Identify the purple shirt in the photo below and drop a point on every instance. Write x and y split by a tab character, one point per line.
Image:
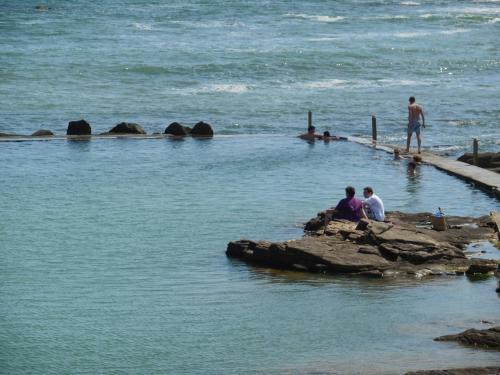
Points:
349	208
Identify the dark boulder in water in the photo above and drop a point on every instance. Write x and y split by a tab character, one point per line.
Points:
484	338
202	129
177	129
128	128
42	133
80	127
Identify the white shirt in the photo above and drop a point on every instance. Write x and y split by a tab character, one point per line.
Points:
374	208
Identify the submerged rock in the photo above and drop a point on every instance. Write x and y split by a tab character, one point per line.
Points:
202	129
80	127
127	128
405	246
484	338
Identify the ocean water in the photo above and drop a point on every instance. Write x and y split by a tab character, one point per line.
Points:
112	251
112	262
254	67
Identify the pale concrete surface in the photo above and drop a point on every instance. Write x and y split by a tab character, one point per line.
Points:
484	178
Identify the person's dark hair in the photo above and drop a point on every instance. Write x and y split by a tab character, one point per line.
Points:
368	189
350	191
326	134
311	128
417	158
412	99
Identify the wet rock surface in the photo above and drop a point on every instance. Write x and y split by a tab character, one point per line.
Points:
127	128
483	338
460	371
80	127
177	129
202	129
42	133
487	160
406	245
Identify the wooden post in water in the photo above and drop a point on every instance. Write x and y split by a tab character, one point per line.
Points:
374	128
475	152
309	119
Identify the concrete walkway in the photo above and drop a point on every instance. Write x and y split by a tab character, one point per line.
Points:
483	178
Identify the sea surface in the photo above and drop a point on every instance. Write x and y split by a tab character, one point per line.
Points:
112	250
112	261
253	67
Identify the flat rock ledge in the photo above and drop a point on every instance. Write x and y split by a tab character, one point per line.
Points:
460	371
483	338
405	246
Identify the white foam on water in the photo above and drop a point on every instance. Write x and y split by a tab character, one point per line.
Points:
410	3
456	31
413	34
340	83
226	87
323	39
325	84
143	26
318	18
386	17
431	15
474	10
494	20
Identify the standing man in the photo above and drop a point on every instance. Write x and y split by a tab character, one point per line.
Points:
373	206
414	113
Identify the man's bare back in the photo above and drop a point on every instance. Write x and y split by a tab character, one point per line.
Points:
414	113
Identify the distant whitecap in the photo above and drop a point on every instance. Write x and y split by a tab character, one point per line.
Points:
142	26
325	84
318	18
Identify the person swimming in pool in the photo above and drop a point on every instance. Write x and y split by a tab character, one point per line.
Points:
415	112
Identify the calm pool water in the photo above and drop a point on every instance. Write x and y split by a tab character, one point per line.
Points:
112	261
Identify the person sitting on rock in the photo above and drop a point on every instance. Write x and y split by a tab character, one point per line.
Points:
373	205
349	208
310	135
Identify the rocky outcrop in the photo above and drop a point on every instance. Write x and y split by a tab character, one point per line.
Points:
202	129
42	133
487	160
460	371
375	249
80	127
177	129
483	338
127	128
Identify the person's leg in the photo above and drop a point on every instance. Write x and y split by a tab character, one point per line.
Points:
408	140
419	140
328	217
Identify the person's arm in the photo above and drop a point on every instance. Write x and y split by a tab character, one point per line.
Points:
423	118
362	213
